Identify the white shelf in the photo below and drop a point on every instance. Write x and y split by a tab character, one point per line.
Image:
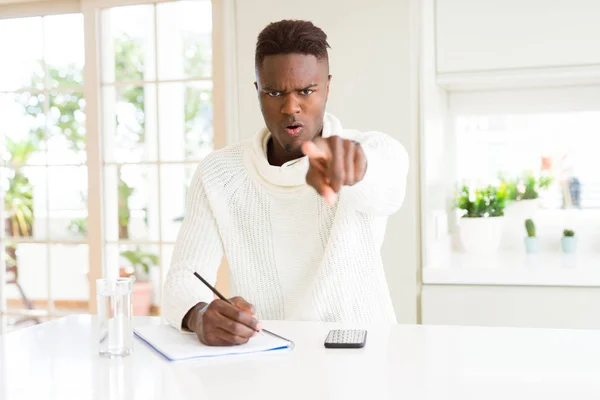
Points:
514	269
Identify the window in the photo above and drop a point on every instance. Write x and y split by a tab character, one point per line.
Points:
44	173
538	147
155	123
562	147
550	158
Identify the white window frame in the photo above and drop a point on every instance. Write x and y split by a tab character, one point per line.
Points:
225	125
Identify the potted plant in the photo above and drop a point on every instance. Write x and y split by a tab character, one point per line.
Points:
569	241
482	218
522	194
531	241
140	264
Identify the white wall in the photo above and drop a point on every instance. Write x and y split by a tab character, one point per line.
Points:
374	87
481	35
522	306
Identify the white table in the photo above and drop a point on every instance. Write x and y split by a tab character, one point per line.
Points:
58	360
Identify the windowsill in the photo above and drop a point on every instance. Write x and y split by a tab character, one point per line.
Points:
514	269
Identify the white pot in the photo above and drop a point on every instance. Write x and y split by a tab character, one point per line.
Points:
481	235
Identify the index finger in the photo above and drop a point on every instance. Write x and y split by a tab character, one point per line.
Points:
317	148
242	304
238	315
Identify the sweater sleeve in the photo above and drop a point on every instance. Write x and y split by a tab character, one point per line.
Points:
198	248
381	192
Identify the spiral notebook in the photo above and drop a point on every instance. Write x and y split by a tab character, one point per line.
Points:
176	346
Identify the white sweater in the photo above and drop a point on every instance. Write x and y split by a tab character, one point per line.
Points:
290	254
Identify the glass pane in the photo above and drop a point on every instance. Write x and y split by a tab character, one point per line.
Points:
22	39
66	129
22	126
67	202
550	156
25	202
27	276
131	202
174	183
69	278
141	261
186	120
184	39
128	54
63	42
129	115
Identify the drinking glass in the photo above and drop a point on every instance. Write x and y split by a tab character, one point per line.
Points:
115	330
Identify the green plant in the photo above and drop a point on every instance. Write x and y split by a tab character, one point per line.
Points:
482	202
18	199
525	187
140	259
18	203
545	182
568	233
79	226
124	192
530	227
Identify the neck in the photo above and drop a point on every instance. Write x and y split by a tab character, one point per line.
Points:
277	155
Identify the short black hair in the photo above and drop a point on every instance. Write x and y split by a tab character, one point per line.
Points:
291	36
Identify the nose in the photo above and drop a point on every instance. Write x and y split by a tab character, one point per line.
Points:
290	105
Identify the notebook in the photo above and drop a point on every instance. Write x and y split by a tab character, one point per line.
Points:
175	345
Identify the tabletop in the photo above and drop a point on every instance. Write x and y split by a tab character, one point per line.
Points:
58	360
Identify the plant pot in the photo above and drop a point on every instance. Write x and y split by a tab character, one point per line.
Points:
141	298
569	244
532	245
515	214
481	235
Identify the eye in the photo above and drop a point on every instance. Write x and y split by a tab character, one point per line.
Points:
274	94
306	92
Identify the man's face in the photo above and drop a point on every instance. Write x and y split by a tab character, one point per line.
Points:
293	90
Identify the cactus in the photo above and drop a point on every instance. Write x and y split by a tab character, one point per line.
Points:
530	227
568	233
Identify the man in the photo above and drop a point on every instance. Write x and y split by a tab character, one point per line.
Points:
299	211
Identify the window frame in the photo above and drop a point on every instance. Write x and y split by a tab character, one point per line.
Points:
225	125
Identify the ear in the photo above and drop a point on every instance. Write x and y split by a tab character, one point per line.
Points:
328	82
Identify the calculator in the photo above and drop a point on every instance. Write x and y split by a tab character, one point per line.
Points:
346	339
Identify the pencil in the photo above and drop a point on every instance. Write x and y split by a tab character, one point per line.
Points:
215	291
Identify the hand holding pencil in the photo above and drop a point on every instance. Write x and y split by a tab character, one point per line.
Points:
224	323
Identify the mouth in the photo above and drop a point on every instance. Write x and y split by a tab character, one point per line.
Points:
293	129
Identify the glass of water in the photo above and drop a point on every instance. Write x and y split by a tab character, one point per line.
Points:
115	331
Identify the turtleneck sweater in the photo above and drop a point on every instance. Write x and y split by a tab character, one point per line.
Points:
289	253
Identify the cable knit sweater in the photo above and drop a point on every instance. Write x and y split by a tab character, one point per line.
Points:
290	254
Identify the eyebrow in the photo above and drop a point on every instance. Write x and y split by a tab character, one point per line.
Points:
268	89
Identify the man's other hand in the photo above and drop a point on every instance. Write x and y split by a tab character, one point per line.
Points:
334	162
223	324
